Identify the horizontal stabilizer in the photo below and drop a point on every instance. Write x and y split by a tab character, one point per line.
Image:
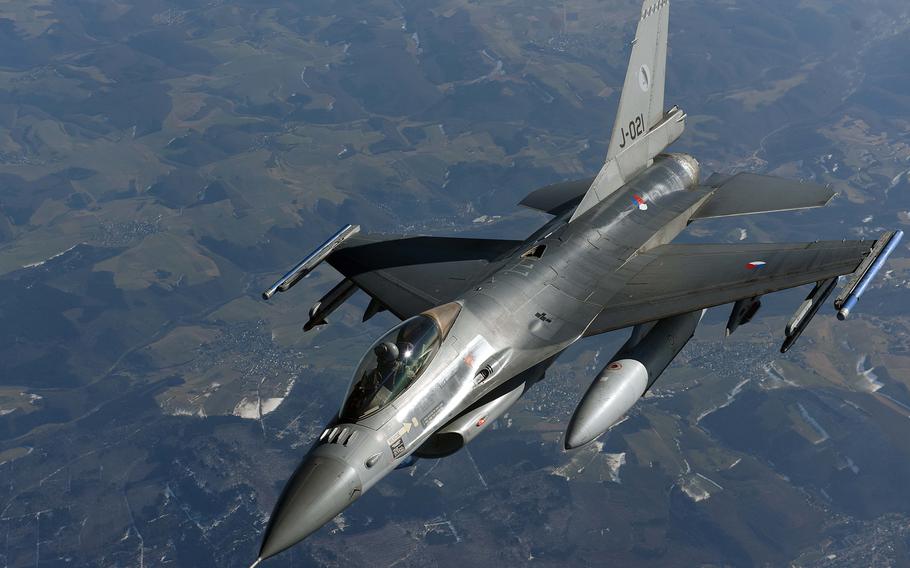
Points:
747	194
558	197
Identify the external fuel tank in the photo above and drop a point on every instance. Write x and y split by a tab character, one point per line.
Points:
628	375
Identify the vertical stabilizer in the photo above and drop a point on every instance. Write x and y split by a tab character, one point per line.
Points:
641	105
642	128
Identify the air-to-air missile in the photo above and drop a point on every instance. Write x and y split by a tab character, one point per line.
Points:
305	266
867	271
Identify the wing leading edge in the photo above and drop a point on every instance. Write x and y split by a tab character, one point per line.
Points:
409	275
678	278
406	275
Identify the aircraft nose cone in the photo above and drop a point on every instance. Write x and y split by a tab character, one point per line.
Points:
321	488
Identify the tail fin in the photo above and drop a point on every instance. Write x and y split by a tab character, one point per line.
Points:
641	105
642	128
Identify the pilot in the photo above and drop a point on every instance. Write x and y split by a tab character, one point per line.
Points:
396	366
387	358
386	365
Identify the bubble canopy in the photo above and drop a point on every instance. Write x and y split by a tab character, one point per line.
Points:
392	364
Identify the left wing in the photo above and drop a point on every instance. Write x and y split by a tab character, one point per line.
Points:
409	275
402	274
678	278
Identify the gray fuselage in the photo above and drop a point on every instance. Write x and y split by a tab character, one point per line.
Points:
516	318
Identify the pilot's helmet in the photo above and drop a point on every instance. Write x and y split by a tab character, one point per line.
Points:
386	352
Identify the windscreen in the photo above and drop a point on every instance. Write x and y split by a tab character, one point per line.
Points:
391	365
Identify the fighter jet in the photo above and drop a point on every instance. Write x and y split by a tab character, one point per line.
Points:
483	319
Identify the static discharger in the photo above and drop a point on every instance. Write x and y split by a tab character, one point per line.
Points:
305	266
872	264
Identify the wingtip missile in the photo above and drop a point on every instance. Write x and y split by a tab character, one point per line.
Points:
848	297
305	266
866	272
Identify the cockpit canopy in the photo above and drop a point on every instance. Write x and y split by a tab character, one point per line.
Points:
395	361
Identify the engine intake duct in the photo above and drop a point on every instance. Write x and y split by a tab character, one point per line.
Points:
478	417
457	433
628	375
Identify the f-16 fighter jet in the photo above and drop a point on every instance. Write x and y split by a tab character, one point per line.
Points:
483	319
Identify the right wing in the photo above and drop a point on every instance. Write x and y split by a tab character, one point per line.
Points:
678	278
